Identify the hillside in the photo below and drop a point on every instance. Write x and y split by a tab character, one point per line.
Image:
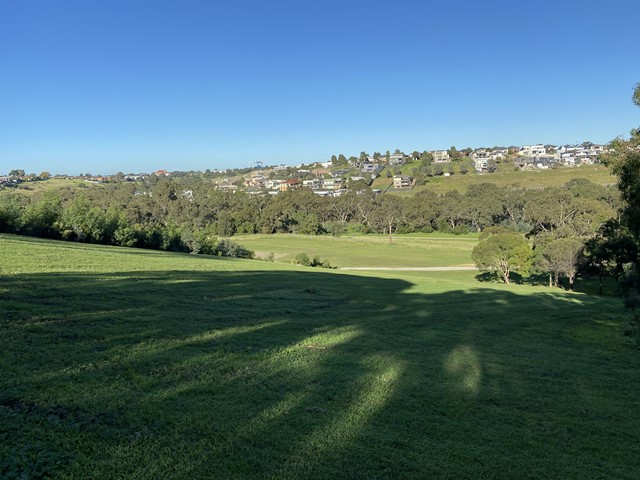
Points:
123	363
535	179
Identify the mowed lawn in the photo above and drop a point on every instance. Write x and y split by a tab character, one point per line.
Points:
432	250
121	363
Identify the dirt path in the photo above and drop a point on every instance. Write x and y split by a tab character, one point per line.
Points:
415	269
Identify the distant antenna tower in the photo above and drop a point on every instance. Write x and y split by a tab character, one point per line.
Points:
258	164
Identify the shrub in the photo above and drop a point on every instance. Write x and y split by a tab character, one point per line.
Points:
302	259
227	248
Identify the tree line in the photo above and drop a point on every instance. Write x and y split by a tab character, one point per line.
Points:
190	216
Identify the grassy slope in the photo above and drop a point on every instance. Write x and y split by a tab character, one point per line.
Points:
507	177
368	251
54	184
119	363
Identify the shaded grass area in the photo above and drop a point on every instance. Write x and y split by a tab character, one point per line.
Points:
432	250
244	369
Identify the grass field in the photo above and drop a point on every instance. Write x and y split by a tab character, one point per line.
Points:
120	363
433	250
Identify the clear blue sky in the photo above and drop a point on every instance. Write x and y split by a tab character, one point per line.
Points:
133	86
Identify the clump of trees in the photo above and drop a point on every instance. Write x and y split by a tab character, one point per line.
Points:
621	241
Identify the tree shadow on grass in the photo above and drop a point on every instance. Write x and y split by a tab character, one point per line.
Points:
296	374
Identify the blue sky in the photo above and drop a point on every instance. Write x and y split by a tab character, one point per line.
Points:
136	86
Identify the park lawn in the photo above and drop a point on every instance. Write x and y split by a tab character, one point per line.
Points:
432	250
121	363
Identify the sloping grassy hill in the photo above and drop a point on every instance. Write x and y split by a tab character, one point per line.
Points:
507	177
121	363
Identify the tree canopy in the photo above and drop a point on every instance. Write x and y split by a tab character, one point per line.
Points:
503	252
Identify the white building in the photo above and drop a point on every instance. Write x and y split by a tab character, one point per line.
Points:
441	156
532	150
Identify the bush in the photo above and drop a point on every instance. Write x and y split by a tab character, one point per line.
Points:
227	248
304	260
336	228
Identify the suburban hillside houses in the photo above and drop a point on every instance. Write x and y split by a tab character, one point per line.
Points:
336	177
550	156
334	181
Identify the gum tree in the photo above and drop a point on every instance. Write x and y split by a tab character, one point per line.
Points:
503	252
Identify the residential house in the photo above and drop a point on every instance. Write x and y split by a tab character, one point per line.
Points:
402	181
312	184
397	159
498	153
370	167
290	184
440	156
481	157
332	183
540	162
532	150
273	184
323	193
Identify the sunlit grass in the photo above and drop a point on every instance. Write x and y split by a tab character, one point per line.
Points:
367	250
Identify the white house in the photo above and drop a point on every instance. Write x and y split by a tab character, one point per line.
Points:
532	150
402	181
440	156
313	184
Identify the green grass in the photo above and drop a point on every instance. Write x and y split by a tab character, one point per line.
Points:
54	184
506	177
432	250
121	363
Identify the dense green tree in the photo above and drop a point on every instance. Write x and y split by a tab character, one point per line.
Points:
609	250
387	215
625	163
41	216
454	154
564	256
426	158
10	211
503	252
482	206
421	211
